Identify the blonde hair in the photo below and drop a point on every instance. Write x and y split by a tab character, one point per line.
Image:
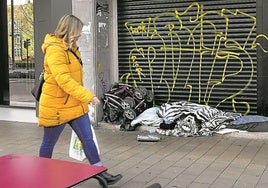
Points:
69	29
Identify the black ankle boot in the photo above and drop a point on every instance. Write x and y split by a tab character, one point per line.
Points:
111	179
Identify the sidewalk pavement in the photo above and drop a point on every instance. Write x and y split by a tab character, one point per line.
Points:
236	160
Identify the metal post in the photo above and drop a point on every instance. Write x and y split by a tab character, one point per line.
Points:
26	46
4	71
12	34
27	58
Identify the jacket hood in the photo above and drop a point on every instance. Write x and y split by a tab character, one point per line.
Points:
52	40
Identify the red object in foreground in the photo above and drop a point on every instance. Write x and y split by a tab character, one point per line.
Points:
25	171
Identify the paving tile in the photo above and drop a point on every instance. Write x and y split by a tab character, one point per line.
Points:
250	176
207	176
263	182
171	172
227	178
198	185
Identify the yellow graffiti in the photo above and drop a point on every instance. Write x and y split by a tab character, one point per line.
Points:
185	50
125	77
136	66
256	44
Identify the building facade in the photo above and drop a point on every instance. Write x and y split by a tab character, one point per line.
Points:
207	52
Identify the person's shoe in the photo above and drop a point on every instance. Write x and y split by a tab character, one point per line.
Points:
111	179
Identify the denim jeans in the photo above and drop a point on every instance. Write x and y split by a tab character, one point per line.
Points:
82	128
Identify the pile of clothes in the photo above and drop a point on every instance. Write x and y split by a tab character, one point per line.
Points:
185	119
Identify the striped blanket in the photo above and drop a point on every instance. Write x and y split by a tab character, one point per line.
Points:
192	119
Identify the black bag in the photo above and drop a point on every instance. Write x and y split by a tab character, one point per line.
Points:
37	89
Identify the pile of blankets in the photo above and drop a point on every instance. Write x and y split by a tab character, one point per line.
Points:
186	119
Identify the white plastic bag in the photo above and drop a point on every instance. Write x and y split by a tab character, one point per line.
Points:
76	150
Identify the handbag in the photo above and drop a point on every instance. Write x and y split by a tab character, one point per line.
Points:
37	89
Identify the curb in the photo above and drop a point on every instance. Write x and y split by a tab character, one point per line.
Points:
247	135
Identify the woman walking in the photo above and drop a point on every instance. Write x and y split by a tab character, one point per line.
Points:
64	99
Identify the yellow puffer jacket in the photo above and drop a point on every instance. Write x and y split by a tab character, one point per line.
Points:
63	96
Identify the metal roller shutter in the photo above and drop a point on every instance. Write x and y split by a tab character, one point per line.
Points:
199	51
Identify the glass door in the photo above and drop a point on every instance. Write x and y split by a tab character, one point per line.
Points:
21	52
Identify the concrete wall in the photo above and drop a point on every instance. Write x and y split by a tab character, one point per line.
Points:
262	57
96	46
46	16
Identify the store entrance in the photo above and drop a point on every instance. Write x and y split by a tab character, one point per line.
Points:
21	61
